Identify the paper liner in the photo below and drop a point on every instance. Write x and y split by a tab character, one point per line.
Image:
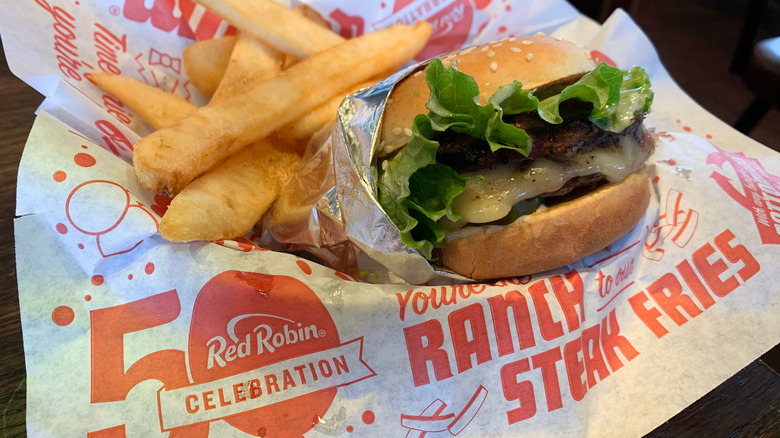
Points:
128	335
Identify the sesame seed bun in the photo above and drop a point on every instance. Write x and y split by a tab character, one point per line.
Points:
533	61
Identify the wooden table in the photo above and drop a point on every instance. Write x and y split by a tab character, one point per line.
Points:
747	405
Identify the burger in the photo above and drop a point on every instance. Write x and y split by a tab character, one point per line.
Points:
515	157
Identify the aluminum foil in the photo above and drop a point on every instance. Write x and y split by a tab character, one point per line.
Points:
346	228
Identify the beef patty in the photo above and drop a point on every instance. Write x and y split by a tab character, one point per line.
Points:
561	142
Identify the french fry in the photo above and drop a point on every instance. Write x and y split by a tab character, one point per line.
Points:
310	123
167	160
209	207
312	15
205	62
230	200
251	62
282	28
158	108
227	201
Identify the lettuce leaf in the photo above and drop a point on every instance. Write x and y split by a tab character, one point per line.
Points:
454	105
617	96
394	190
416	191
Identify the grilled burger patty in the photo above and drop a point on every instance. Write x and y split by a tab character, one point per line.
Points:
561	143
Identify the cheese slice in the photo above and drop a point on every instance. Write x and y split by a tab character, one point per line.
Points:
491	197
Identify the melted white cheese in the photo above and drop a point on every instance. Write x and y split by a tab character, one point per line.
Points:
491	198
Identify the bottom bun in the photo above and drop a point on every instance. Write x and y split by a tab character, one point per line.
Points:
550	238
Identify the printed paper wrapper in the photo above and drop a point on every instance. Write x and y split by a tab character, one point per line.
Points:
128	335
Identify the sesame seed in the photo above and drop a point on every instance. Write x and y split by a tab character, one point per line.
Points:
493	66
388	149
539	34
516	49
529	57
384	165
491	54
467	51
484	48
397	131
389	101
511	39
408	132
497	44
417	74
526	42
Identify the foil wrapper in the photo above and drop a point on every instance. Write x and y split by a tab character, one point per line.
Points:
344	227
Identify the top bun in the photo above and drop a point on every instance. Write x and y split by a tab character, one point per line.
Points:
534	61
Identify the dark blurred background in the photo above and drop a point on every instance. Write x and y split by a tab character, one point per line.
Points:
705	45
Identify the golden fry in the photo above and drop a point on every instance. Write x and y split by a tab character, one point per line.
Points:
251	62
313	16
160	109
304	127
205	62
282	28
230	200
167	160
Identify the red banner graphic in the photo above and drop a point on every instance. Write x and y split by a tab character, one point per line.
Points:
265	386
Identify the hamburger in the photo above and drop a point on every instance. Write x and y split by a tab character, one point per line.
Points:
515	157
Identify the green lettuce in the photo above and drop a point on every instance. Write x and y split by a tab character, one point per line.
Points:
416	192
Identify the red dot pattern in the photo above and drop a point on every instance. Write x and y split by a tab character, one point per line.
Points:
84	160
62	316
304	267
